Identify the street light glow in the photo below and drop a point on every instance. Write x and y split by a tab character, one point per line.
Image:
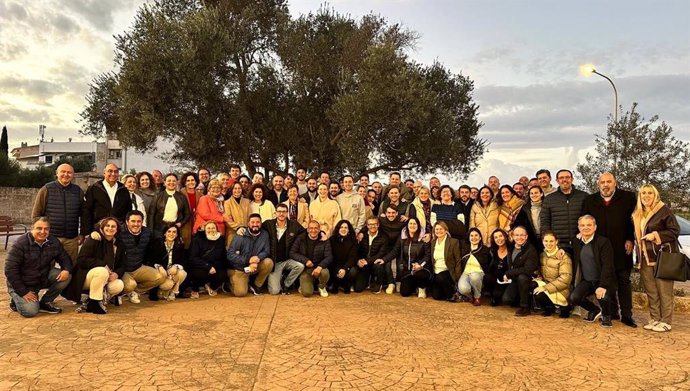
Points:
587	69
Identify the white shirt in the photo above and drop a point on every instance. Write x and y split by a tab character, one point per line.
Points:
111	190
170	213
440	256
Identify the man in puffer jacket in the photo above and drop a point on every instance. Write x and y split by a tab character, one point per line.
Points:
561	209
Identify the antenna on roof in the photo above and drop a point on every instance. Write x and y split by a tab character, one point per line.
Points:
41	132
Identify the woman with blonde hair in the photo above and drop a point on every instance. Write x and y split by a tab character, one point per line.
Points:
656	230
236	213
325	210
210	208
553	287
422	206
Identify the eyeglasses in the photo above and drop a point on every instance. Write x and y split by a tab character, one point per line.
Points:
281	211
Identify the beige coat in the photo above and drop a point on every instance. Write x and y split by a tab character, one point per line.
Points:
557	274
239	215
302	213
326	213
485	220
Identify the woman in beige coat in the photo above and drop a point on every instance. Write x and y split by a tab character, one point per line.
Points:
236	213
325	210
484	214
553	288
298	210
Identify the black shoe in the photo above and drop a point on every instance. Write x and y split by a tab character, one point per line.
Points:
615	316
493	302
565	312
95	307
13	306
285	291
523	311
224	287
593	316
548	311
116	300
48	308
153	294
606	322
255	290
629	321
455	298
347	290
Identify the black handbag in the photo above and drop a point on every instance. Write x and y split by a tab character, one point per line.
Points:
672	266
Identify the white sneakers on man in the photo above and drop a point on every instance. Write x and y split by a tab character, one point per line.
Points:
134	298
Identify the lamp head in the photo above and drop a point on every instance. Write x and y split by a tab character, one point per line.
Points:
587	69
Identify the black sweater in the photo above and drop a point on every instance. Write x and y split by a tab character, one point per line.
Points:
344	252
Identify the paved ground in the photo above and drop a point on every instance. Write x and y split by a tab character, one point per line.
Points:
354	342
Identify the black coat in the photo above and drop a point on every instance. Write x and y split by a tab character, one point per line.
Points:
559	213
465	209
28	264
273	197
603	259
483	255
408	251
614	221
97	206
294	229
526	262
377	250
344	253
205	254
498	268
322	251
158	254
95	253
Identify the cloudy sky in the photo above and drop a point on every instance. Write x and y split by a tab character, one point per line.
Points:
524	57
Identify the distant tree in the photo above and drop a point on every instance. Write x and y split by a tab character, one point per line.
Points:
643	153
79	164
242	81
4	146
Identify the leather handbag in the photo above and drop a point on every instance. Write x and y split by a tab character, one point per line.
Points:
672	266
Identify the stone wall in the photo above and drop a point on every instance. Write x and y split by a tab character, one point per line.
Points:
17	202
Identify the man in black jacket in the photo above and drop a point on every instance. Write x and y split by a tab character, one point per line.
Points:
465	203
523	264
29	267
277	194
560	210
594	258
105	198
612	208
372	249
315	254
282	233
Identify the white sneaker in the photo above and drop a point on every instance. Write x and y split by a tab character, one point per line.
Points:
390	289
652	323
323	292
421	293
134	298
578	311
662	327
171	296
211	292
397	287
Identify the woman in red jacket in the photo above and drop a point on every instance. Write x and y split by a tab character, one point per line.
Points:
210	208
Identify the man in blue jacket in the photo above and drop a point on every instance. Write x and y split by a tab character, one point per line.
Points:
30	267
249	257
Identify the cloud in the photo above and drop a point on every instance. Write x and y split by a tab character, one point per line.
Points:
36	90
12	11
99	13
64	24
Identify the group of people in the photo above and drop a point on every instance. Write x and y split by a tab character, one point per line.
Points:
530	245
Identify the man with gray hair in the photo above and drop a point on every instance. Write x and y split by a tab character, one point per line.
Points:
593	270
612	208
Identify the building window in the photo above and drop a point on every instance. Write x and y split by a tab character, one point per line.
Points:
114	154
49	159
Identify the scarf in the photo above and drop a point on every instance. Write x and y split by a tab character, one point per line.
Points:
509	212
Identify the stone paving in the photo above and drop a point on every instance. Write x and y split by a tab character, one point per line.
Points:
343	342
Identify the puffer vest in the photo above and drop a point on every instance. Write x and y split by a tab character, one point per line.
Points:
63	209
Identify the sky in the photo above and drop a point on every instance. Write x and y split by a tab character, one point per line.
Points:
538	110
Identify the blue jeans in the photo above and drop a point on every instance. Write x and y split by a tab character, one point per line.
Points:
293	268
29	309
469	283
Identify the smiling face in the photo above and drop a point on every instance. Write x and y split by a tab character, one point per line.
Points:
313	229
499	239
373	226
506	195
423	194
237	190
171	183
204	175
214	191
550	242
171	234
535	194
210	229
111	174
281	213
440	232
254	225
587	226
520	236
258	194
293	193
278	183
109	229
144	182
301	175
446	195
475	238
189	183
333	190
464	194
343	230
412	227
394	195
485	196
323	191
647	196
64	174
565	181
40	231
348	183
607	184
134	224
131	183
312	185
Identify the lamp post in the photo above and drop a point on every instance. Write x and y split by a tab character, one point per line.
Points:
588	70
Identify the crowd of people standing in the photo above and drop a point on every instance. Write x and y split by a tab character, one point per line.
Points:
530	245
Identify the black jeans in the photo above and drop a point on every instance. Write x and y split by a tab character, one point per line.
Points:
198	277
518	291
335	282
585	288
360	277
623	296
410	282
382	273
442	286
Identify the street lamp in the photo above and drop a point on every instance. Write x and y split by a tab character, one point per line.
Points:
588	70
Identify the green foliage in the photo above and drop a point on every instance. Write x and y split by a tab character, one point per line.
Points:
79	164
242	81
640	153
13	175
4	146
